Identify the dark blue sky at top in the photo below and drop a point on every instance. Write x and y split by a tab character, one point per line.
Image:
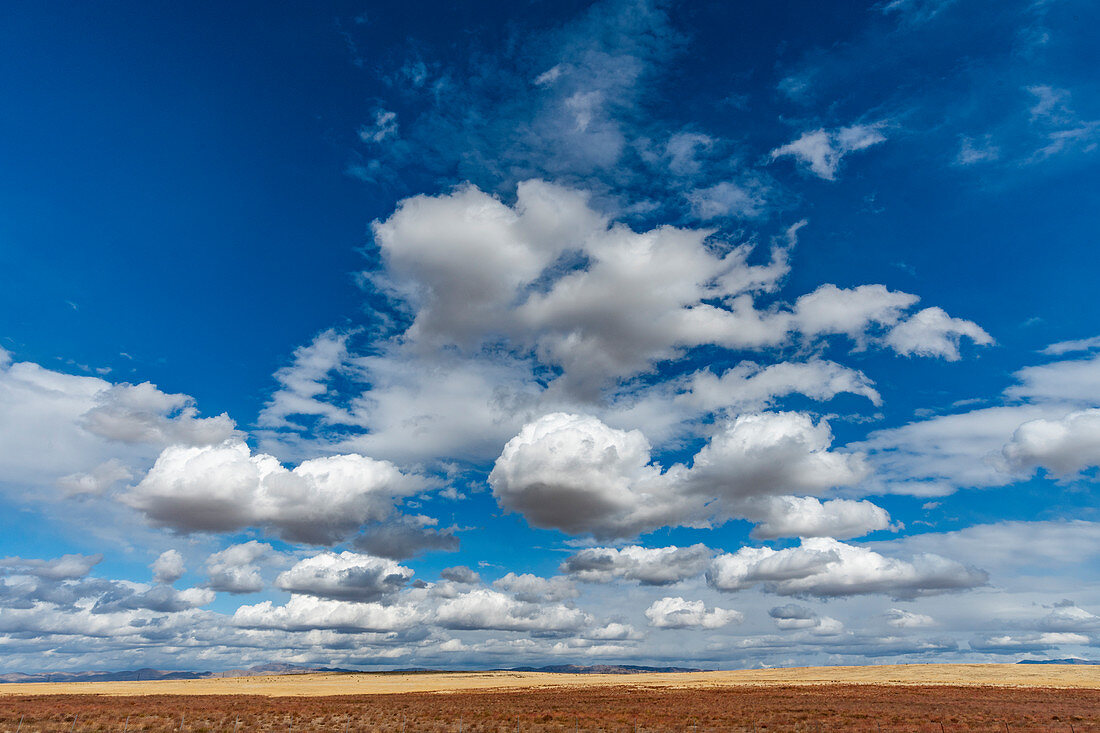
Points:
187	192
174	181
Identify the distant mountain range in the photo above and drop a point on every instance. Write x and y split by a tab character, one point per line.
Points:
162	674
266	669
1056	661
602	669
145	675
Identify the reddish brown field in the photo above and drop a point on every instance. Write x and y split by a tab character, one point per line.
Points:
808	708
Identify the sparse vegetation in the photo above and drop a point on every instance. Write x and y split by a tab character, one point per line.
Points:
772	708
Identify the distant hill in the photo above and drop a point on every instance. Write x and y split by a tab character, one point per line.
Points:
276	668
1056	661
161	674
602	669
146	675
101	676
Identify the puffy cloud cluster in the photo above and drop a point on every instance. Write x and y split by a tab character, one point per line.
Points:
793	617
575	473
123	596
806	516
552	275
530	588
483	608
304	613
66	567
1048	420
345	576
902	619
931	332
349	592
826	567
237	568
401	537
168	567
648	566
98	433
677	613
1023	643
1064	447
62	586
1067	616
141	413
548	305
599	300
225	487
461	574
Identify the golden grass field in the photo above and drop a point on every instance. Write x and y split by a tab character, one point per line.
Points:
928	698
320	685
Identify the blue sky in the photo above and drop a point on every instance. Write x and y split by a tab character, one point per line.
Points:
538	333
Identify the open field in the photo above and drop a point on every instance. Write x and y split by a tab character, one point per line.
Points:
312	685
933	698
758	708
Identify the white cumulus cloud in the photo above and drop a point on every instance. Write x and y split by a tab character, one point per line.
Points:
826	567
677	613
225	487
346	576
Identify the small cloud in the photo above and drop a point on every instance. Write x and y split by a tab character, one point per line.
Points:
1068	347
549	76
385	126
972	151
915	12
1062	127
903	619
728	199
822	150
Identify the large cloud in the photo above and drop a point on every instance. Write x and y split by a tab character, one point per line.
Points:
225	487
168	567
931	332
479	270
303	613
576	474
1046	420
530	588
85	432
601	301
402	537
826	567
483	608
547	305
677	613
66	567
1064	447
649	566
769	454
806	516
850	311
346	576
237	568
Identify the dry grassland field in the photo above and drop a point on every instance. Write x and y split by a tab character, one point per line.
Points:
936	698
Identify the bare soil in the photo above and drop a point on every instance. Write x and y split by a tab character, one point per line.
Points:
801	708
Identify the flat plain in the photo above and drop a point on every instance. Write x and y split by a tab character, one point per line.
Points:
938	698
